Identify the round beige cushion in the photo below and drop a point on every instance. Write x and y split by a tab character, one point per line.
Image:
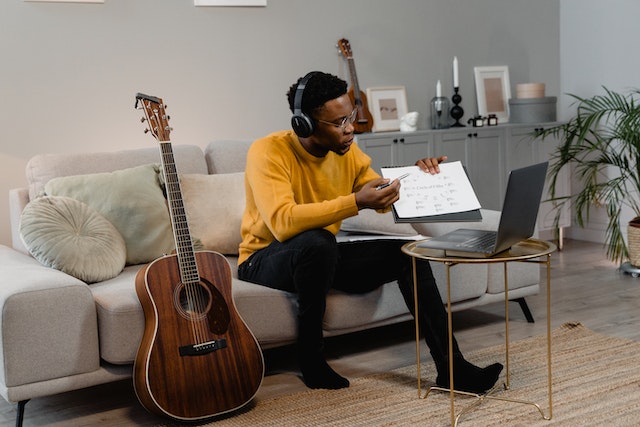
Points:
68	235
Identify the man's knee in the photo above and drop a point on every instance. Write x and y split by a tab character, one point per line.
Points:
320	244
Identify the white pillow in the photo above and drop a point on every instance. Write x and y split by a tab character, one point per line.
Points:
68	235
214	205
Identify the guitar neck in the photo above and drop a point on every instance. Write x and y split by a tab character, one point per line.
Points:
184	245
354	82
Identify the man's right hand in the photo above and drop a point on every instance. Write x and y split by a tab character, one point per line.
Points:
371	198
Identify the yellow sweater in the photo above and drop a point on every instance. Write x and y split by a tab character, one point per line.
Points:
290	191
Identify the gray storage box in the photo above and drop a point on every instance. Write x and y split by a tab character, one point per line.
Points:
532	110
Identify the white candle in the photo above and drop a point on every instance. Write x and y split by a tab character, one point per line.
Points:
455	72
438	89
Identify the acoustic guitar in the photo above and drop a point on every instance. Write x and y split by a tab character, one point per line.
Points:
197	358
364	119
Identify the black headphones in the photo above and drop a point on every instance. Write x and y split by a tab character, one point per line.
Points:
302	124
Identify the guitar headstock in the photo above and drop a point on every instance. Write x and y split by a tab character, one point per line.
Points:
345	48
155	115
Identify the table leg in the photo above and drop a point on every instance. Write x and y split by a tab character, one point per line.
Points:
506	325
450	332
417	324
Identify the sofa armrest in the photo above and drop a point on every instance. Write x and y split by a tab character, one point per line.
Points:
48	326
490	220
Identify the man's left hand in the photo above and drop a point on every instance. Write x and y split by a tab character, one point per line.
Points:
430	164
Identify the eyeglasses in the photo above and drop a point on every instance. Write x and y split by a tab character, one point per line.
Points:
344	122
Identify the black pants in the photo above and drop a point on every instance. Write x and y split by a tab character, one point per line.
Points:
312	262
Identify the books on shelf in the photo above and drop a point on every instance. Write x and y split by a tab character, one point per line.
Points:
446	196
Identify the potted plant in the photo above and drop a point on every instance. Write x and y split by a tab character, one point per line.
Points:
601	143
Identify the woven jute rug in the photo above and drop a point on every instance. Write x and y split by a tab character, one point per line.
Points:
596	382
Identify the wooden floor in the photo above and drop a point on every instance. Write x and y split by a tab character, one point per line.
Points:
586	288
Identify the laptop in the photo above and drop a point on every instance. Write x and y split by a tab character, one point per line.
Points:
517	220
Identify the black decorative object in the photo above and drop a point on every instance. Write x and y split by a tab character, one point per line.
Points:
456	111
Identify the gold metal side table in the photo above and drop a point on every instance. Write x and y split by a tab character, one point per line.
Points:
530	250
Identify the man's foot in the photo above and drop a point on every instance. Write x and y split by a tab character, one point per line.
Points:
470	378
318	374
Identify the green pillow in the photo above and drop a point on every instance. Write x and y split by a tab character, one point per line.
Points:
132	200
68	235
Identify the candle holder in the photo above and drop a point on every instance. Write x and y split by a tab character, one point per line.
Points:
456	111
439	113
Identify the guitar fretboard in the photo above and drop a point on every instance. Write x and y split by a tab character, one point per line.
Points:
184	245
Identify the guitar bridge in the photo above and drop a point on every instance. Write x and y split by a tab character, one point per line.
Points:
204	348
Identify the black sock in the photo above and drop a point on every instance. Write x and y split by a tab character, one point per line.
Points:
468	377
317	373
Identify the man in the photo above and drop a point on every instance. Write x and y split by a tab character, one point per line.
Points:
300	186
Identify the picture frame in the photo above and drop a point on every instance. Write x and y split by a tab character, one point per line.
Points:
493	91
387	105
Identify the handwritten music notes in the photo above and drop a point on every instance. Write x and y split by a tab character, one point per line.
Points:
423	194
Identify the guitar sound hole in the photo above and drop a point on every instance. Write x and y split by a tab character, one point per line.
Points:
202	301
193	301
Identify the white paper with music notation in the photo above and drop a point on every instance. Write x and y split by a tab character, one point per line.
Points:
425	195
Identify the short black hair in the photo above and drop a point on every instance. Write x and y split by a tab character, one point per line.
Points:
320	88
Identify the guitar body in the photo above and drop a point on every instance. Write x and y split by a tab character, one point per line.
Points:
364	119
193	383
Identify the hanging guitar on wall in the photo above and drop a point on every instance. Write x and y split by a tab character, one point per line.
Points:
364	119
197	358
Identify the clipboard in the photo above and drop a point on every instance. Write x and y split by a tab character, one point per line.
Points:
444	197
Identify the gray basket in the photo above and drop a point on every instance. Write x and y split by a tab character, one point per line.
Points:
532	110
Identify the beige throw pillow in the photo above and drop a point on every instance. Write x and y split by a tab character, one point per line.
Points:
214	205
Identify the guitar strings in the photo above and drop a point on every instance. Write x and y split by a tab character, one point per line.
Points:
189	274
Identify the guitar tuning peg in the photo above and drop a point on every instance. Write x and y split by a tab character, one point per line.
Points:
143	119
146	131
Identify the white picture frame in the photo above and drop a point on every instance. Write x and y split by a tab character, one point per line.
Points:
493	91
387	105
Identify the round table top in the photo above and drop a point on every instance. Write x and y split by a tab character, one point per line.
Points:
527	249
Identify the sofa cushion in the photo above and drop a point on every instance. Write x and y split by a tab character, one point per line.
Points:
70	236
355	311
132	200
214	205
120	317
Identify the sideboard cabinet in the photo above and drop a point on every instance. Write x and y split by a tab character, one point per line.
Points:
488	153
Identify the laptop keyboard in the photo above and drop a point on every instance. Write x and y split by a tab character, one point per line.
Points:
485	243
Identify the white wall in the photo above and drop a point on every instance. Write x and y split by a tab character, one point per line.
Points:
69	72
598	47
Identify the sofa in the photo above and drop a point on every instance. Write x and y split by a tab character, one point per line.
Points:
61	331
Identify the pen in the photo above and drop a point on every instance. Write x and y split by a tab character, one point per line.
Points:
380	187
